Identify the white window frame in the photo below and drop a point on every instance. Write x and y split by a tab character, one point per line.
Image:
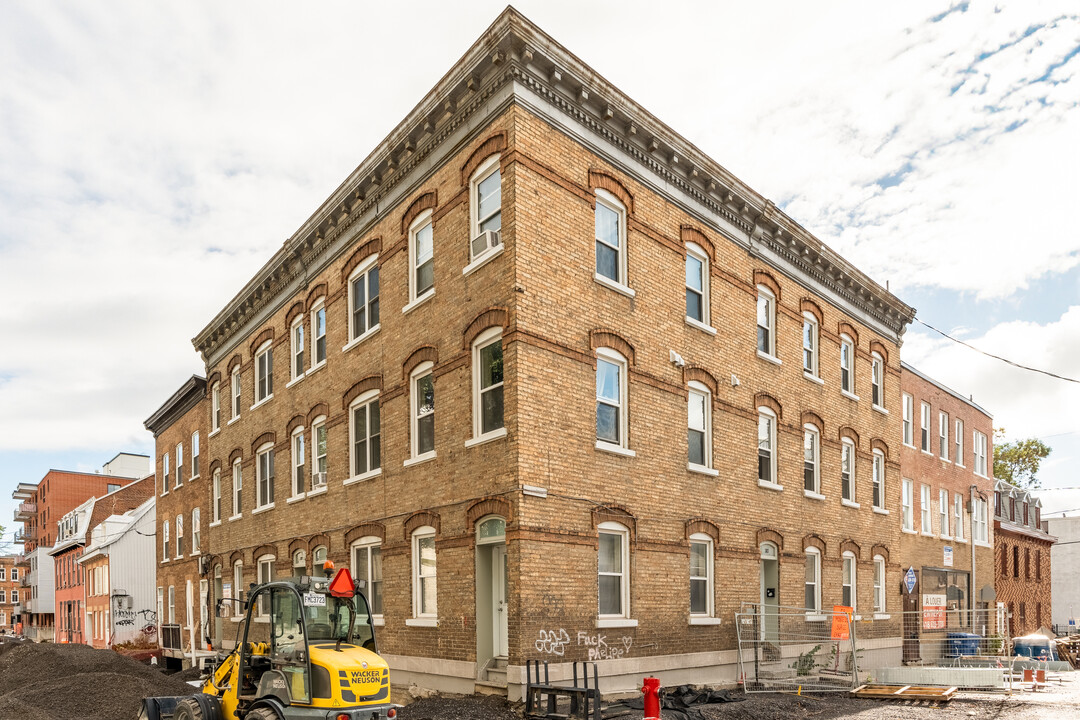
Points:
215	498
958	443
847	448
319	463
367	544
486	169
427	616
165	540
697	390
924	428
848	344
907	504
196	471
196	531
298	349
812	436
811	342
215	407
769	352
237	386
877	380
364	403
613	357
238	587
850	582
179	482
926	510
980	532
944	511
364	270
318	559
707	579
265	350
298	480
419	372
237	490
264	573
317	310
485	339
623	533
943	436
979	449
696	252
179	536
172	604
299	562
266	450
620	283
909	420
879	586
813	559
958	516
419	223
165	474
767	415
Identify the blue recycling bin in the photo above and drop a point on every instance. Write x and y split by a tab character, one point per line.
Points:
961	643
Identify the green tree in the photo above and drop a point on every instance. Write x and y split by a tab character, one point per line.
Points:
1018	462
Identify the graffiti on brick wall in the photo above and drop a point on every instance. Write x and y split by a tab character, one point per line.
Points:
599	648
552	642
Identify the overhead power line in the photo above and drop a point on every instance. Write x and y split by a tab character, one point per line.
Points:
996	357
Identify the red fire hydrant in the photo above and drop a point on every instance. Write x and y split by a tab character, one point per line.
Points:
651	690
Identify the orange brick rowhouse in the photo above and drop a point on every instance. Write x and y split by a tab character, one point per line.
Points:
555	385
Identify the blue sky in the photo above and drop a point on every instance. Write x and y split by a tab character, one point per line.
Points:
155	155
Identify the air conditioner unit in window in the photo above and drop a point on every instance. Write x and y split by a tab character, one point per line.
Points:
485	241
318	479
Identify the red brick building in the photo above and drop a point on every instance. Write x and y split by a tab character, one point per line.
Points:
10	590
484	340
1022	558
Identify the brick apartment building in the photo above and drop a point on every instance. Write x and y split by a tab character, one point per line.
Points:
571	280
10	590
1021	558
94	566
945	496
42	505
179	428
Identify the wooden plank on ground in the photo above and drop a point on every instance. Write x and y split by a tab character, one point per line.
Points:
904	692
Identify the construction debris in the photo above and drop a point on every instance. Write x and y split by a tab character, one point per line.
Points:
904	692
1069	649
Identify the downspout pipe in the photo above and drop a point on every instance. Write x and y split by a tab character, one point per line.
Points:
971	601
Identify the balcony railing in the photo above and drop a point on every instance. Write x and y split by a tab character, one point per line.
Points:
25	511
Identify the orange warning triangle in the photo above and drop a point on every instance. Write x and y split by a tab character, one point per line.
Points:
342	584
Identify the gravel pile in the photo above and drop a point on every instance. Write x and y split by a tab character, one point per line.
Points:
465	707
76	682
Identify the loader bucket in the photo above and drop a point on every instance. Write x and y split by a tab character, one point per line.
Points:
159	708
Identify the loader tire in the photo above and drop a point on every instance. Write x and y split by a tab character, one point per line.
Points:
188	710
263	713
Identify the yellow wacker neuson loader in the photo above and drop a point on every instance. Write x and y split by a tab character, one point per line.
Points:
307	651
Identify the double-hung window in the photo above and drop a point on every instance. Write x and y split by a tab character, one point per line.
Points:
264	476
216	498
613	562
879	584
164	540
849	581
299	463
298	347
766	322
943	435
812	581
422	386
810	344
958	443
907	504
701	576
425	589
909	420
611	393
610	233
179	464
766	446
485	200
699	426
421	257
366	434
958	516
367	566
215	407
943	513
194	455
980	453
179	536
238	587
879	480
847	365
364	299
237	489
877	380
165	474
265	570
264	372
318	333
811	464
235	393
487	356
925	511
979	529
924	428
847	470
319	446
697	285
196	530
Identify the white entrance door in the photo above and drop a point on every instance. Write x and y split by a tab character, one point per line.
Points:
498	600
